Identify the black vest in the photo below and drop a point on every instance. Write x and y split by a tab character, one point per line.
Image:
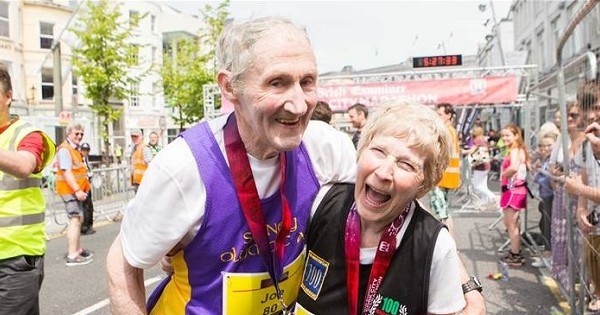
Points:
406	284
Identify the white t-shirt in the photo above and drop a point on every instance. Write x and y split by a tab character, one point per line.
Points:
170	203
445	291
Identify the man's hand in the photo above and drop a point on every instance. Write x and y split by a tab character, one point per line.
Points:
582	220
80	195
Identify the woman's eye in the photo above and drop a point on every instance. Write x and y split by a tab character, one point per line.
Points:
378	152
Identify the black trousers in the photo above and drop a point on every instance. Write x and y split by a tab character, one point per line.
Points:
20	282
545	207
88	213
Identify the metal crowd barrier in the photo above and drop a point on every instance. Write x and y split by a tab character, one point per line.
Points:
111	191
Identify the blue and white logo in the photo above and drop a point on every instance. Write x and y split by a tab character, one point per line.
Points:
314	275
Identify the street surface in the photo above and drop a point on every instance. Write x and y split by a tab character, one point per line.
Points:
83	289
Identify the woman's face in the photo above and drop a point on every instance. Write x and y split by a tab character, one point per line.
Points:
574	118
545	146
389	176
508	137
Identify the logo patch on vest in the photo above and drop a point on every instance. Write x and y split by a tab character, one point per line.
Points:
387	306
314	275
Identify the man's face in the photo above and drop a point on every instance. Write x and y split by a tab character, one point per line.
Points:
277	94
357	118
75	135
153	139
5	99
85	152
442	113
136	139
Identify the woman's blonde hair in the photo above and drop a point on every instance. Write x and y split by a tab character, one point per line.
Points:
421	128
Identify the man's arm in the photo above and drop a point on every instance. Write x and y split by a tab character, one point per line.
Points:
125	283
19	164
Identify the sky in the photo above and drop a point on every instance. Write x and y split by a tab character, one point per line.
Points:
369	34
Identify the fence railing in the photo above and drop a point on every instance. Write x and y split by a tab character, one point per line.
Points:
111	191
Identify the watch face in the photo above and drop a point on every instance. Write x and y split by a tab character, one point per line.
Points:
476	280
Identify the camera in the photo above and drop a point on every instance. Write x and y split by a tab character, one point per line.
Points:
593	218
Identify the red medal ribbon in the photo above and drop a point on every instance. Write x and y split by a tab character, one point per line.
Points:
383	258
251	206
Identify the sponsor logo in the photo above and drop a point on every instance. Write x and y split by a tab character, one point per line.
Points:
314	275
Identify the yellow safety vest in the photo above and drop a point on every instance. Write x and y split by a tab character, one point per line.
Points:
451	177
139	164
22	204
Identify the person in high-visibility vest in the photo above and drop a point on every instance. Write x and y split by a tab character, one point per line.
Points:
73	185
141	156
438	197
24	151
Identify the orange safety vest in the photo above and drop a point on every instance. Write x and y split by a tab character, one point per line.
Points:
139	164
451	176
79	170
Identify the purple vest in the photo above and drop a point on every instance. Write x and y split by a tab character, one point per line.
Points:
221	243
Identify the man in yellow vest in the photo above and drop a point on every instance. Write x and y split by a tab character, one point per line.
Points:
73	185
438	197
141	156
24	151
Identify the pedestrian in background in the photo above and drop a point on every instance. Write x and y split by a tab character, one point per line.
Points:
87	226
73	186
24	151
514	190
358	114
153	145
481	167
438	196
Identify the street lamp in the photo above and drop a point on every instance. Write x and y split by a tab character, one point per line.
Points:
482	7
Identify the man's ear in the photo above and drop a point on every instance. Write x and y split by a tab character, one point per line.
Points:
224	81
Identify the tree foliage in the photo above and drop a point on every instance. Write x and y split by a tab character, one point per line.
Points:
104	57
189	64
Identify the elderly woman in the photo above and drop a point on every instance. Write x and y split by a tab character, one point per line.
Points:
371	246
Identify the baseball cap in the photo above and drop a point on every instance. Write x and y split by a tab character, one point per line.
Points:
84	146
136	132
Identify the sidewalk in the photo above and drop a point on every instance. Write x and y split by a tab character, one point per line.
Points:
529	290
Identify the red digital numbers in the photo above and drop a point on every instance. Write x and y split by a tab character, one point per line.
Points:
437	61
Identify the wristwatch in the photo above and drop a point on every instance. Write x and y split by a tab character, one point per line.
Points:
472	284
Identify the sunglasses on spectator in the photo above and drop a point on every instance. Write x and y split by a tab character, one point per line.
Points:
79	134
574	115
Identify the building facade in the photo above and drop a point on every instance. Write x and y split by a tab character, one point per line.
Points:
28	31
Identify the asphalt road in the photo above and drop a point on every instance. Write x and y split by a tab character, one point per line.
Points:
529	290
82	289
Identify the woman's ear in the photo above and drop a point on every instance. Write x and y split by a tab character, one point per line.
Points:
224	82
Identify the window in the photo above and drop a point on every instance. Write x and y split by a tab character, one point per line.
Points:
541	50
74	84
46	35
135	54
4	26
47	84
133	15
556	31
134	95
152	23
153	55
154	93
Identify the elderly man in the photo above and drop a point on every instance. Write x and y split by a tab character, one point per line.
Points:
24	151
73	186
233	196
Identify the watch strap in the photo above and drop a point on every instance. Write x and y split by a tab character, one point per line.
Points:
472	284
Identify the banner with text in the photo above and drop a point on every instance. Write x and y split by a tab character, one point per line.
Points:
488	90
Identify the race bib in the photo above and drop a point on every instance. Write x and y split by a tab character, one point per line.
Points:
254	293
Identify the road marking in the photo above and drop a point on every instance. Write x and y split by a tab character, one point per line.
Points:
106	302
